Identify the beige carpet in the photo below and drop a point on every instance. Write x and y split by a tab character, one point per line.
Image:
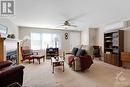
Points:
100	74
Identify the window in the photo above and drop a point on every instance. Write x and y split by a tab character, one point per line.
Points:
45	40
35	41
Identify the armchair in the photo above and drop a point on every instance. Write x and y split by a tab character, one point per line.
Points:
26	54
10	74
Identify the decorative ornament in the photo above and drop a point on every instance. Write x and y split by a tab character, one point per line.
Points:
66	36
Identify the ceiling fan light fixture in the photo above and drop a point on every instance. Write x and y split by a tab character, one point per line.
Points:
66	26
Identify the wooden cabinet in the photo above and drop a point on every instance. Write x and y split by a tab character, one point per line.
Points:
125	58
107	57
113	45
2	49
117	61
111	59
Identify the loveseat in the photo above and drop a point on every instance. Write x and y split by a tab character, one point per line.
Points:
79	60
10	73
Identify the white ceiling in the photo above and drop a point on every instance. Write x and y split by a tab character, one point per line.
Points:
85	13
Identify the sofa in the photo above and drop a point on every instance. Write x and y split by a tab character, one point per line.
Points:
79	60
10	73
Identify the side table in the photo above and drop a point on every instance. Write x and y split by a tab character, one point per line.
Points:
57	62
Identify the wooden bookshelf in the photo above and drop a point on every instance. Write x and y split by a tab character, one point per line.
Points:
113	45
51	52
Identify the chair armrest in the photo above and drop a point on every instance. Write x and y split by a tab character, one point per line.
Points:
10	70
5	64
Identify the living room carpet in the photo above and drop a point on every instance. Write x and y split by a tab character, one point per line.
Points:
100	74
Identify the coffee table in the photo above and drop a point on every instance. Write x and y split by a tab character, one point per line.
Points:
57	62
38	57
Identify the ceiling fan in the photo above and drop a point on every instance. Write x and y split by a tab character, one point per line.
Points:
67	24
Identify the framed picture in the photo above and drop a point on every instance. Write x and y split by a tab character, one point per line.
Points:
3	29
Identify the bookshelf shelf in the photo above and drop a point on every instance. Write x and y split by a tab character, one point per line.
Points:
51	52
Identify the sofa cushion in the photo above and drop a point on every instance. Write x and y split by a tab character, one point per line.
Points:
83	52
5	64
78	52
74	51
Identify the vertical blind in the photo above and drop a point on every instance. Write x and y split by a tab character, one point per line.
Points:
45	40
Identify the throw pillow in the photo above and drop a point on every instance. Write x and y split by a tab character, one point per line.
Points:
78	52
81	52
74	51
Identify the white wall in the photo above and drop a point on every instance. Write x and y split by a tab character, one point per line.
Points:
26	31
93	36
85	37
75	39
12	28
127	39
101	38
90	36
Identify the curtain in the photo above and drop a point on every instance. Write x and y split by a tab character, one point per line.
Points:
45	40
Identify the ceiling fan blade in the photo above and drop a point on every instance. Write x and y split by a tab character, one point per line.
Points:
64	16
77	17
68	17
73	25
59	26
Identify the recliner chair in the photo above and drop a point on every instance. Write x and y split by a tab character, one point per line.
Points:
10	73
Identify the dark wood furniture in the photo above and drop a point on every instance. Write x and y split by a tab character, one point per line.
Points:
51	52
38	57
113	45
125	58
57	61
